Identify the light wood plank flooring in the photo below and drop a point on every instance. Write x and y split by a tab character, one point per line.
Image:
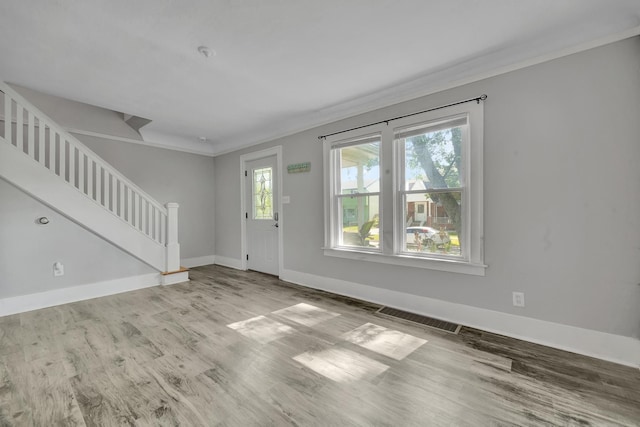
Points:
234	348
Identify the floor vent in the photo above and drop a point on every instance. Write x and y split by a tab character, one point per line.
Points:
422	320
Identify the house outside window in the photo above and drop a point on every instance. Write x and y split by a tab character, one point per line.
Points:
425	208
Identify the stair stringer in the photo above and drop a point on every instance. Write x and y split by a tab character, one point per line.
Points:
20	170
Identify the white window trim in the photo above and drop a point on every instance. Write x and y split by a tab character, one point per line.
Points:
473	262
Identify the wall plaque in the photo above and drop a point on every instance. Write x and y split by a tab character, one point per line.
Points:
299	167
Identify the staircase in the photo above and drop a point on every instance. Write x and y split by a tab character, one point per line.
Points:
43	160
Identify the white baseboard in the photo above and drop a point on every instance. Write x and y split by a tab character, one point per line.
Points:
229	262
198	261
601	345
20	304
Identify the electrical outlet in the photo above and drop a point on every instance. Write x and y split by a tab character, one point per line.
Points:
58	269
518	299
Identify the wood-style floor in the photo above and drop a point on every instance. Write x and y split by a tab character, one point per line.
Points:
234	348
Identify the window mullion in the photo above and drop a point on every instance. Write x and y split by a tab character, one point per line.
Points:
398	196
387	215
335	211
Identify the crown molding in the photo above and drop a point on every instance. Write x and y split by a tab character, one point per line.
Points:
441	80
428	84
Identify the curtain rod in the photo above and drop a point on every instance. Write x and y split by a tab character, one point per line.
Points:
477	99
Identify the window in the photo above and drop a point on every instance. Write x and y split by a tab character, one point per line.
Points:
430	170
408	192
356	197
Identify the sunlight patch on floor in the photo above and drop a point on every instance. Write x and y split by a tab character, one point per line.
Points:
262	329
306	314
341	365
388	342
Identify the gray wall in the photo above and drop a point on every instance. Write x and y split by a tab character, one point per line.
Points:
562	199
28	251
166	175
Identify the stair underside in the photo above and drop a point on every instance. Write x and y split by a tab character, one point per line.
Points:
23	172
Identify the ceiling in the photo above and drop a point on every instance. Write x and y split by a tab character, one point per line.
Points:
280	66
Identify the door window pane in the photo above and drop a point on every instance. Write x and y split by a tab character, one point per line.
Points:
262	194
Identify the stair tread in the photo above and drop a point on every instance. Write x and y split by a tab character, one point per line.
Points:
181	270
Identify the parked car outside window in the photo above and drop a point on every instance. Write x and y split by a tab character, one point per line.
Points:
427	236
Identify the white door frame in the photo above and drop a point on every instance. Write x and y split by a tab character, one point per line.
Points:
244	159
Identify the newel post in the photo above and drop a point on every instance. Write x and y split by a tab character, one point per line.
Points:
173	247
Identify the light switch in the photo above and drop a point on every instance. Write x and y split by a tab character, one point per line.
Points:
58	269
286	200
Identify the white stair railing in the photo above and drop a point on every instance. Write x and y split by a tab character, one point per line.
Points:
36	135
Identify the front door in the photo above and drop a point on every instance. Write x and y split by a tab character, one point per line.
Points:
421	214
261	216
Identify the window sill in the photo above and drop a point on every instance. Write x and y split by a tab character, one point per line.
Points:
452	266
